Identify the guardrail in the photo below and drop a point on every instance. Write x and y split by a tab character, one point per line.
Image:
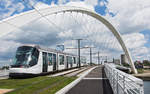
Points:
123	83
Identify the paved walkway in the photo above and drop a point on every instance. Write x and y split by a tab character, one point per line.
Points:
94	83
3	91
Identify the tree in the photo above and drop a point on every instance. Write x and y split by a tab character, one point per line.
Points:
5	67
146	63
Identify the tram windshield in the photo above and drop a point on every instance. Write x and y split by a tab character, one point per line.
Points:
25	57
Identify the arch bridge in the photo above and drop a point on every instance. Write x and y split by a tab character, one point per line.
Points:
29	16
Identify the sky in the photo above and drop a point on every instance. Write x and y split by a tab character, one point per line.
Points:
129	17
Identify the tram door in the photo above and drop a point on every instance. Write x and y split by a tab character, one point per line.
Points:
54	62
45	62
71	62
67	61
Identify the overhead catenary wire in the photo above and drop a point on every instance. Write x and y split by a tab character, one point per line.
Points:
108	44
104	43
59	28
113	45
84	30
49	21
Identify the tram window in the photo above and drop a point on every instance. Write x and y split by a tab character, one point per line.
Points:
74	59
77	60
34	57
61	59
49	59
81	60
84	60
70	60
54	58
67	59
26	56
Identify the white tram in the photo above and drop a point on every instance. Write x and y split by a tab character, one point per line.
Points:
35	60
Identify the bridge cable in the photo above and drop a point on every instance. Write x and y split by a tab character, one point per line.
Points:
42	15
79	23
57	27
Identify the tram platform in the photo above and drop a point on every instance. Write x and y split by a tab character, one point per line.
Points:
95	82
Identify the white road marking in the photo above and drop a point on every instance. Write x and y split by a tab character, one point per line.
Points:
95	78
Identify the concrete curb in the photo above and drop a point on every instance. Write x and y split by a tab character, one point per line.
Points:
72	84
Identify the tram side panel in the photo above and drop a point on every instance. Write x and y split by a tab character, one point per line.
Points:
39	63
36	69
81	62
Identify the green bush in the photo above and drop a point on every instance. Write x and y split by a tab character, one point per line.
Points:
140	70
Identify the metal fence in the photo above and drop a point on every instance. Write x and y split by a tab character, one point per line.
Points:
123	83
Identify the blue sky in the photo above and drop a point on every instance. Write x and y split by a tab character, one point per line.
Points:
132	21
147	33
99	9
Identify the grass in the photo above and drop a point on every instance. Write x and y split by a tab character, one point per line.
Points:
38	85
140	70
57	87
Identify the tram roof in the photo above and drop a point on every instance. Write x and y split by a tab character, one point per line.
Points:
48	49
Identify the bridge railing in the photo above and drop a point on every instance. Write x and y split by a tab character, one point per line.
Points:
123	83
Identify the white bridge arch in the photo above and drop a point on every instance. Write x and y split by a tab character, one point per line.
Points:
29	16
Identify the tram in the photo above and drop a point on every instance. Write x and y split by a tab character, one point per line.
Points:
33	60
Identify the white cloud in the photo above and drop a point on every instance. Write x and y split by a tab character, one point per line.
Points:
136	44
140	53
102	3
10	8
87	2
131	15
7	49
64	34
81	4
91	2
133	18
80	26
19	7
41	5
134	40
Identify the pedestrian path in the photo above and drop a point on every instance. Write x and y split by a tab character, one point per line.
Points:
94	83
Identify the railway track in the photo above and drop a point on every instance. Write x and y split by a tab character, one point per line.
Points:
77	72
69	73
4	74
4	77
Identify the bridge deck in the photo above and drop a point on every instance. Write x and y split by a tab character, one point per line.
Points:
94	83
